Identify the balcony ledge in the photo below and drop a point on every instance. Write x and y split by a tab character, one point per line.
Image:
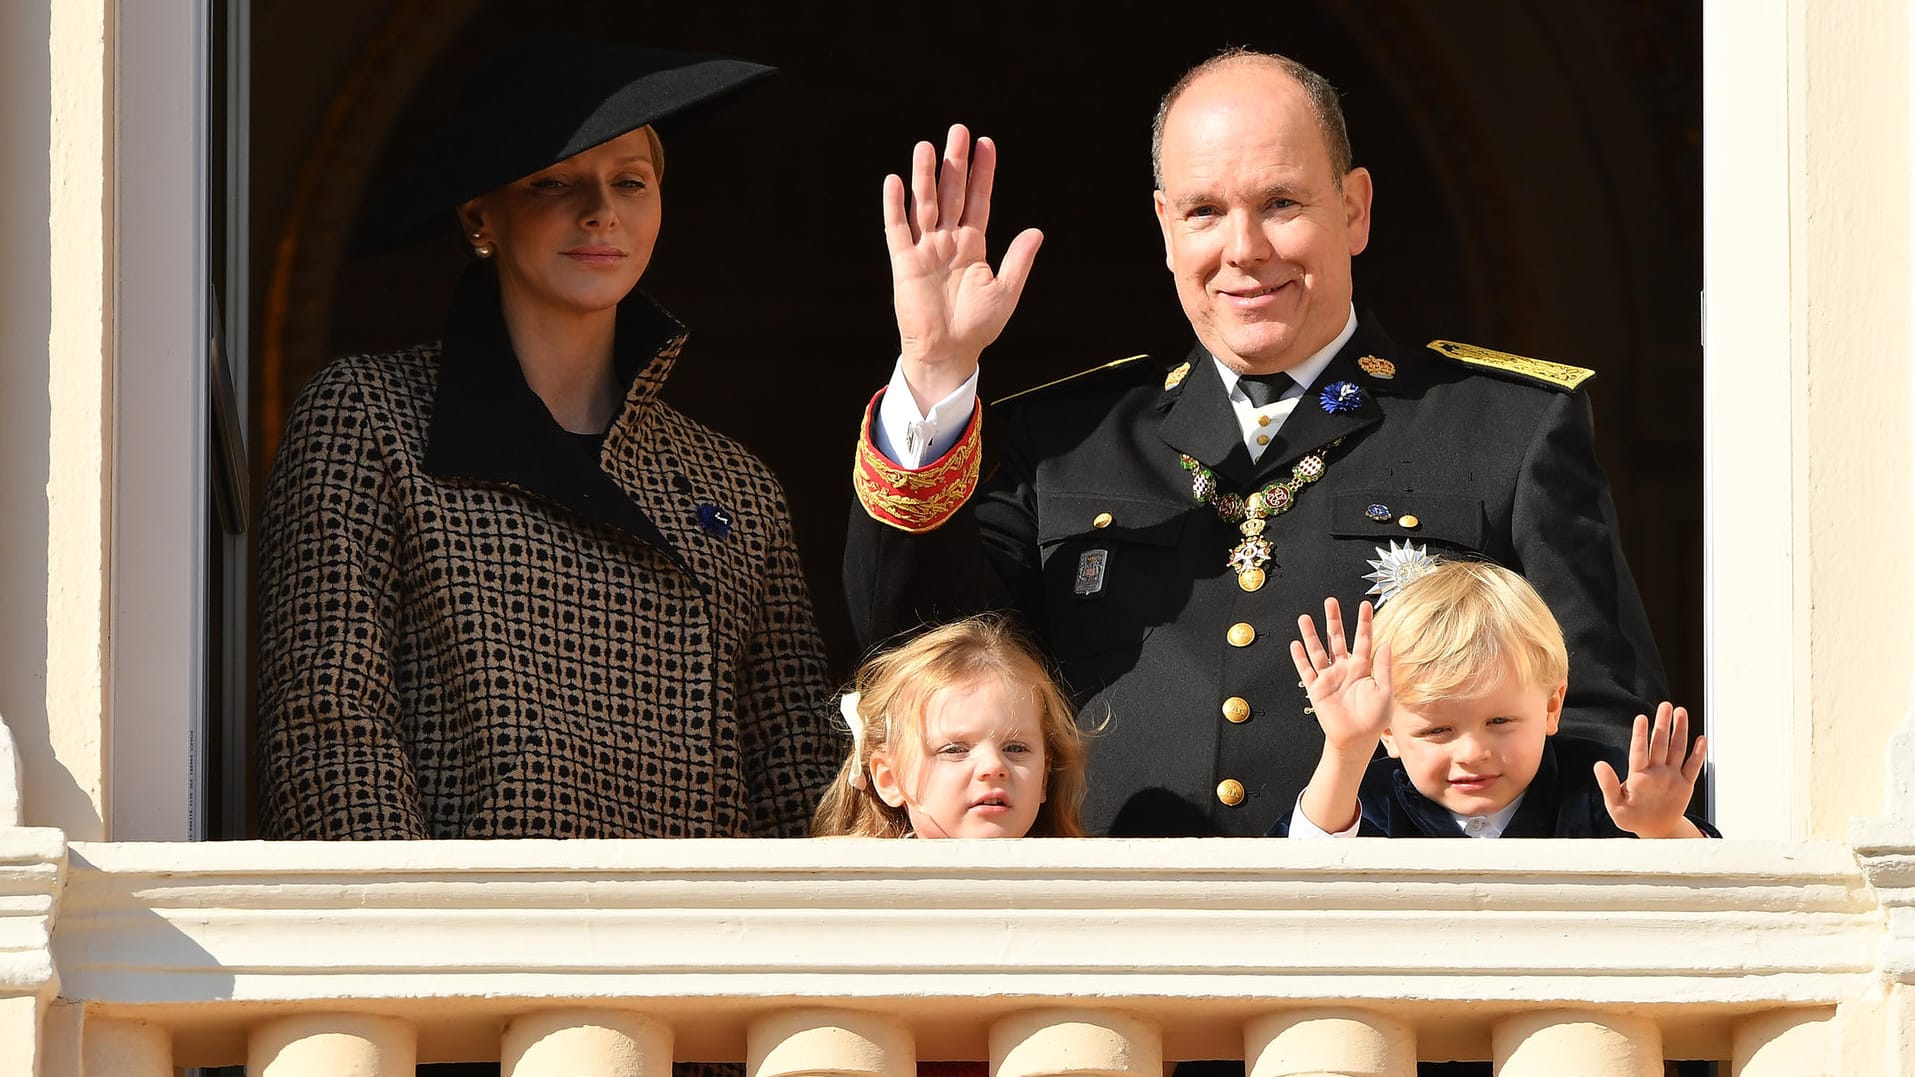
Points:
1201	934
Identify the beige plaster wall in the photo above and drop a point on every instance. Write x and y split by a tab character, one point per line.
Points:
1855	491
55	393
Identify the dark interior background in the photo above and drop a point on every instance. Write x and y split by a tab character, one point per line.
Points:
1537	163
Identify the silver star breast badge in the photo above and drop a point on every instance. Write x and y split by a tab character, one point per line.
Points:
1397	568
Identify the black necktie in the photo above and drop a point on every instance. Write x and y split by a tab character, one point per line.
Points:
1265	389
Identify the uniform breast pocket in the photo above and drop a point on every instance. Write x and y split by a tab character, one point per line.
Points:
1450	526
1111	570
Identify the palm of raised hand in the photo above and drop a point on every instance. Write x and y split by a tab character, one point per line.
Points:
1349	686
1662	775
950	304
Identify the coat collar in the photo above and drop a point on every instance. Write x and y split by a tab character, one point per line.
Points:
1543	813
1200	422
1429	818
1310	426
488	426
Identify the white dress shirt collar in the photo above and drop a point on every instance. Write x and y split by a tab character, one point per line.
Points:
1491	825
1305	373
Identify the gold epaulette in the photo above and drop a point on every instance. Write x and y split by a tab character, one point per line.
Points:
1112	365
1554	375
921	500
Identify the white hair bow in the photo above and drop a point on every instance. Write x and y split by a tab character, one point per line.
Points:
848	707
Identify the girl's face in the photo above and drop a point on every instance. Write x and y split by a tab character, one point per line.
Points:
575	237
980	770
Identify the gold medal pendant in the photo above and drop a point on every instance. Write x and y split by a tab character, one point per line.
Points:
1247	559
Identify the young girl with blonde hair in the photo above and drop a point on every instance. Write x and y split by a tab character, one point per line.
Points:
959	733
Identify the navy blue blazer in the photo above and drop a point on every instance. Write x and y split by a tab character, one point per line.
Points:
1563	801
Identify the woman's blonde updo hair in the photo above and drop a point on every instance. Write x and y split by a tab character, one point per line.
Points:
893	689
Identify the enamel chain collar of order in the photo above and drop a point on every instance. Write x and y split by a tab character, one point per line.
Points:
1249	512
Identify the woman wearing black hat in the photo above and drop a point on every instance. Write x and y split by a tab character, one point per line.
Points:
506	591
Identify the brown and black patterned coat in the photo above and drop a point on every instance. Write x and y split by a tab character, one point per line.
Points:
472	628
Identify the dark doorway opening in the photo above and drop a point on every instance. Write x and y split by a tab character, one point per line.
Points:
1538	169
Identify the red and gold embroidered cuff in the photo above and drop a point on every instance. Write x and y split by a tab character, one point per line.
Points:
921	500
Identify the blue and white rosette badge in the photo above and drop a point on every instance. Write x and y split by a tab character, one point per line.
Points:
1340	397
1397	568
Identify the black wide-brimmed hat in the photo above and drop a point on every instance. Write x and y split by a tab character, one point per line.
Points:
532	104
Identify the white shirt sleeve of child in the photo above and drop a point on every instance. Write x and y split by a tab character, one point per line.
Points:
912	439
1302	827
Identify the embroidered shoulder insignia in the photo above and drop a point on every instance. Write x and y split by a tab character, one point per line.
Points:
1553	375
1115	364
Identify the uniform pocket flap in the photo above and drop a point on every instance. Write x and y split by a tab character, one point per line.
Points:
1110	519
1395	516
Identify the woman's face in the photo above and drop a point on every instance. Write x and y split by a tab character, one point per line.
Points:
574	237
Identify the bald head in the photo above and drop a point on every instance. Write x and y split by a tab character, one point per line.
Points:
1322	98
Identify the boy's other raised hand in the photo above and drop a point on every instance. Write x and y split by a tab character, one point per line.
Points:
1662	777
1349	687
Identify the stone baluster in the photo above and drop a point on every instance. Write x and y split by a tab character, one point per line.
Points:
605	1043
1329	1043
1575	1043
332	1045
845	1043
1075	1043
1786	1043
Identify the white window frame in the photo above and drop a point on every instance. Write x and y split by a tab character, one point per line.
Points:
1754	633
155	718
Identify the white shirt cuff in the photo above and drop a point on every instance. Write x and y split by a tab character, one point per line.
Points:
911	439
1302	827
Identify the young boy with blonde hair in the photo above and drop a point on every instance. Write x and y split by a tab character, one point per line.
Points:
1462	678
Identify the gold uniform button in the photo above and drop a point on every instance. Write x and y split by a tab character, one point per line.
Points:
1241	634
1102	519
1236	710
1230	791
1263	420
1407	522
1263	439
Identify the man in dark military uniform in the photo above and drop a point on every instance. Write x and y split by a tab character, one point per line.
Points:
1162	525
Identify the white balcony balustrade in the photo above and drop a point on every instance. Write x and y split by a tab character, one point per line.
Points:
869	958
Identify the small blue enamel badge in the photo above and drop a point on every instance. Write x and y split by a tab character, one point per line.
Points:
715	521
1341	397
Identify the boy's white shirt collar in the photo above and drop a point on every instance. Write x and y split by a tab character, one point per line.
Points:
1491	825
